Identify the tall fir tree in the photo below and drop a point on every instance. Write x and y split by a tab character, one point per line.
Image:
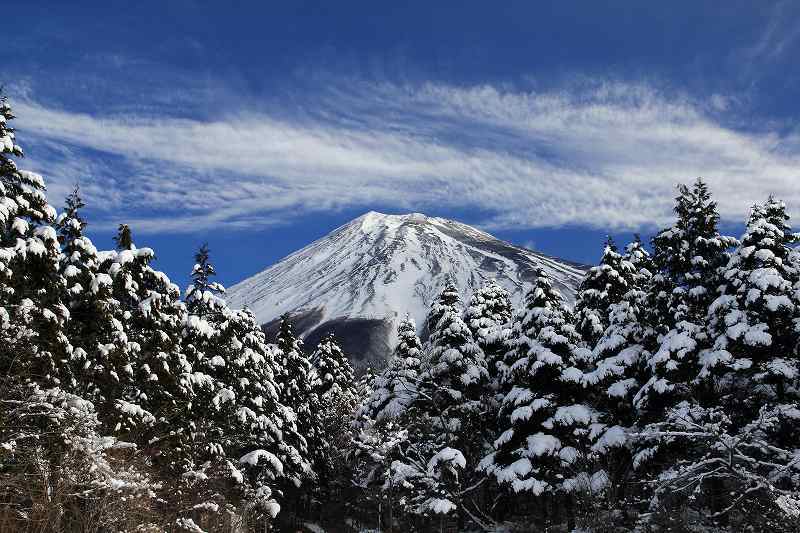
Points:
602	286
545	421
33	314
334	385
688	260
393	389
294	376
756	320
335	378
149	384
257	427
202	295
641	260
617	372
488	316
730	445
102	352
454	375
124	238
446	433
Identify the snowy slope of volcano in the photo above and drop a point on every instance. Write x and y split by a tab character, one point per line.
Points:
362	277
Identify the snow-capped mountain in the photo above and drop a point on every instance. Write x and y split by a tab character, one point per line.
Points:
360	279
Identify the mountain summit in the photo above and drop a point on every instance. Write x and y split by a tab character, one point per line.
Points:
363	277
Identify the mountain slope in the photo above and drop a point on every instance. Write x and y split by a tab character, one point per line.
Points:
362	277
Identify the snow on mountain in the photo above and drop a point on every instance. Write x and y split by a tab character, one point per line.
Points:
363	277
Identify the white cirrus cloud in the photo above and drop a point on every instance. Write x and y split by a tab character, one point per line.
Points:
607	157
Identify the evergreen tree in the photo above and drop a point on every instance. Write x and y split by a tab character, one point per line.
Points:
641	260
393	389
252	422
148	380
447	300
738	393
617	372
603	286
124	238
294	378
201	295
70	223
691	253
756	320
102	352
455	374
235	401
688	262
446	428
381	436
33	315
544	419
364	388
335	379
488	316
335	387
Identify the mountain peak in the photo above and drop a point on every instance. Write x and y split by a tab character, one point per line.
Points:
372	271
373	220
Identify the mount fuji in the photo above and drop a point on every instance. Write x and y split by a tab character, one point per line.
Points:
363	277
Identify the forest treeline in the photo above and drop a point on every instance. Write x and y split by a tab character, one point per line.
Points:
664	399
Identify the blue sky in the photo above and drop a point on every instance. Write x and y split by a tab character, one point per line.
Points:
259	126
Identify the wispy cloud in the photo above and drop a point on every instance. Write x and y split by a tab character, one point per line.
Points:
606	156
780	32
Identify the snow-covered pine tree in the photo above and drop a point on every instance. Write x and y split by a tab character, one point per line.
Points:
102	352
454	375
335	378
201	296
33	315
243	440
365	384
393	389
291	362
380	421
408	350
294	376
70	224
752	371
602	286
726	449
447	300
688	261
642	261
611	297
687	273
756	320
488	316
334	385
150	381
365	387
256	427
617	372
446	427
545	419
